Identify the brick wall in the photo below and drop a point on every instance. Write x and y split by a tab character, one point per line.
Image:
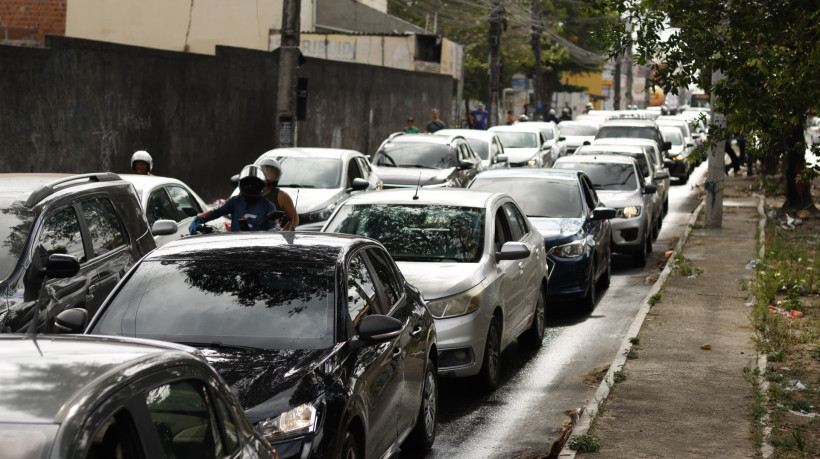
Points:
29	21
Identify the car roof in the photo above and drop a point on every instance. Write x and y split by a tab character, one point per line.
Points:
34	188
43	388
608	159
603	148
278	247
520	127
439	196
529	172
310	153
142	182
624	141
421	138
670	119
466	133
629	122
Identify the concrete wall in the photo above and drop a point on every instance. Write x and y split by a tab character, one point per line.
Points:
81	106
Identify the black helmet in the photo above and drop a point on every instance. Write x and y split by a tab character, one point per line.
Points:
251	181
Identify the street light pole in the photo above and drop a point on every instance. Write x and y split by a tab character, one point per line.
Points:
495	60
285	130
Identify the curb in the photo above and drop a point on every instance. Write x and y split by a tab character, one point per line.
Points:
582	425
766	449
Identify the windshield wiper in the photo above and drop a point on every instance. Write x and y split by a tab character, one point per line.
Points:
417	258
297	185
418	166
217	345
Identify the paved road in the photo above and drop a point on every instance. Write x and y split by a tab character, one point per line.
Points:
522	416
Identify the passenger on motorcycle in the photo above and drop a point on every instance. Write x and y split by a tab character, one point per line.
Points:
249	209
273	172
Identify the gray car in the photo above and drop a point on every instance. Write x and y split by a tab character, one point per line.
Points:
485	144
104	397
479	263
620	184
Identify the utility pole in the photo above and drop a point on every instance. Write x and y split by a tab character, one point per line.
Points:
713	216
536	49
496	17
285	130
629	68
649	87
616	82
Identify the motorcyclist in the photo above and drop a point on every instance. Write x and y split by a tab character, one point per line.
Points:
551	116
273	172
664	110
589	107
249	209
523	118
142	163
565	116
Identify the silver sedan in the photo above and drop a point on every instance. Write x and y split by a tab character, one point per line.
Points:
479	263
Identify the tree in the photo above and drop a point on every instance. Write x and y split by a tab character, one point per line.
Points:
767	52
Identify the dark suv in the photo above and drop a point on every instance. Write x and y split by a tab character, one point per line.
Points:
67	238
407	160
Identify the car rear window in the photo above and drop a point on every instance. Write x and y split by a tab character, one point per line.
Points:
538	197
606	176
511	139
626	131
418	155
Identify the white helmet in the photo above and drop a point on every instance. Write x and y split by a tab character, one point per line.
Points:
523	118
143	156
552	111
252	181
270	162
590	106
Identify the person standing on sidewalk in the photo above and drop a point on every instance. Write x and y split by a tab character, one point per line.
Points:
435	124
411	128
479	118
735	164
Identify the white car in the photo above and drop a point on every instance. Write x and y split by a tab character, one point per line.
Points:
525	145
814	131
485	144
577	133
555	140
165	198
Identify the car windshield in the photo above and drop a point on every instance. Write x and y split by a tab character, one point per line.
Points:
578	129
626	131
26	440
512	139
538	197
480	147
15	226
640	157
417	233
420	155
298	172
672	135
269	305
612	177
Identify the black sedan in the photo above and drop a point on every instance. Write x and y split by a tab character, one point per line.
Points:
327	348
563	206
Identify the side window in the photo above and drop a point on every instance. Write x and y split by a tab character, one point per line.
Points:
185	420
229	424
117	436
353	171
502	230
361	291
518	224
550	133
103	225
160	207
61	234
182	199
364	166
494	152
387	276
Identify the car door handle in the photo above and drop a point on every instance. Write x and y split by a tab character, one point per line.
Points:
396	353
92	288
416	332
520	267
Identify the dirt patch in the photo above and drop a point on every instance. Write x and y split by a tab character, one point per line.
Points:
649	280
594	377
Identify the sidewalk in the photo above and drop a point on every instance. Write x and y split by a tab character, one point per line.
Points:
678	400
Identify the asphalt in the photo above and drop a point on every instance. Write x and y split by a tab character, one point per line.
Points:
679	400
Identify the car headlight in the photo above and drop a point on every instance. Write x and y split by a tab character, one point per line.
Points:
457	305
571	250
317	216
628	212
296	422
678	158
532	162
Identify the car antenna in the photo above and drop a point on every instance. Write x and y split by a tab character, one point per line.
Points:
293	227
416	196
32	326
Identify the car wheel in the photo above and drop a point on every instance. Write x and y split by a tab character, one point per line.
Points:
491	366
424	433
350	448
588	302
606	277
534	337
640	257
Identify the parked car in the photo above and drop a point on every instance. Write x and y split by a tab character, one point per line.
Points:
94	219
662	164
102	397
577	133
319	179
681	124
563	206
478	261
485	144
555	140
639	128
411	160
165	198
814	131
647	168
678	153
525	145
619	183
329	350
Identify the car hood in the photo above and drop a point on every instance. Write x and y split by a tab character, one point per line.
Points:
313	199
675	150
438	280
576	141
520	155
410	175
620	198
558	231
268	382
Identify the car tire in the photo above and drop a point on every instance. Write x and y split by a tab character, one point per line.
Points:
350	448
639	258
534	337
606	277
424	433
588	302
491	365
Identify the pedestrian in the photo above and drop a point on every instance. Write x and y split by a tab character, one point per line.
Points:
469	122
479	118
567	108
142	163
435	124
551	116
735	164
510	118
744	157
411	128
273	172
566	115
249	209
589	108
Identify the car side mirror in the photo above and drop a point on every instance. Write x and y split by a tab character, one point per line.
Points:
650	189
275	215
235	180
562	138
71	320
667	146
379	328
661	175
60	266
502	158
668	163
587	142
189	211
359	184
466	164
603	213
164	227
512	251
690	144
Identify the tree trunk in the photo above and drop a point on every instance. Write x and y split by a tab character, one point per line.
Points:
798	194
548	89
